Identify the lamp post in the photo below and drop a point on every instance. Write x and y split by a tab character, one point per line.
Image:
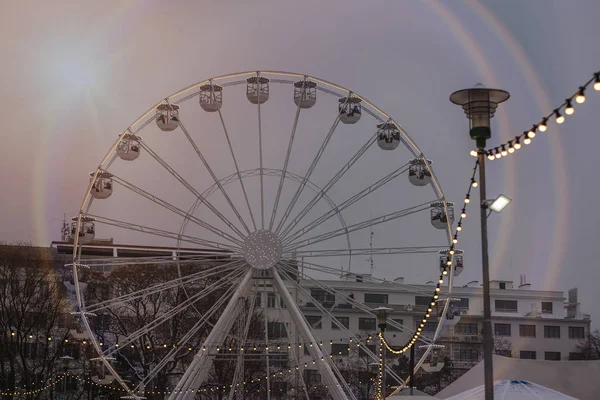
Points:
479	104
382	313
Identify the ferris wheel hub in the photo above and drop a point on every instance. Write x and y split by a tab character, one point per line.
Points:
262	249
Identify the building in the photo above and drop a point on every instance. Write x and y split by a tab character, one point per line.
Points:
527	323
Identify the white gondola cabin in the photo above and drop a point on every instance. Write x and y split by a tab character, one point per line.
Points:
102	187
128	148
257	89
350	109
305	93
388	136
439	219
418	173
167	117
211	97
87	230
453	314
446	258
433	364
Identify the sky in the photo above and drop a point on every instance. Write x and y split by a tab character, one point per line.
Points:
77	73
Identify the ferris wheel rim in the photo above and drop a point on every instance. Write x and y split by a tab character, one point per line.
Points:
87	201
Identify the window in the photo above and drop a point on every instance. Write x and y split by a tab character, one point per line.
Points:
429	327
546	307
464	353
376	298
502	329
371	347
552	332
257	301
393	328
322	296
528	355
345	321
506	305
504	353
464	303
552	355
527	330
315	321
312	376
367	324
466	329
271	300
276	330
422	301
502	285
340	349
576	332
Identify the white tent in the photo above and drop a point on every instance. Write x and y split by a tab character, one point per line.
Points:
513	390
578	379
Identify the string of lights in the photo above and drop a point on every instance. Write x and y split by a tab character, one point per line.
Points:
53	382
449	262
527	136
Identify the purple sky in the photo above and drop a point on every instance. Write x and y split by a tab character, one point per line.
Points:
76	74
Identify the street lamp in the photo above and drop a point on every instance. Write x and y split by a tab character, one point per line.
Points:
480	104
498	204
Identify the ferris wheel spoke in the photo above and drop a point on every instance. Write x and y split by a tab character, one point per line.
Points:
329	185
369	251
229	279
343	273
217	270
358	226
174	209
289	268
170	356
334	367
357	197
167	234
237	169
164	261
312	167
212	174
287	156
190	188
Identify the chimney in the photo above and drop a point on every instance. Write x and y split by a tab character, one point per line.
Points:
524	285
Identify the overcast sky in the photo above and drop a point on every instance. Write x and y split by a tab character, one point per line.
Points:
76	73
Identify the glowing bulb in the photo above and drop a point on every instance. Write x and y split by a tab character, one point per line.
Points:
459	228
580	98
527	140
437	289
559	118
597	82
474	183
511	149
473	153
451	251
491	157
569	110
463	215
441	281
542	126
517	145
467	199
531	134
455	240
498	155
504	152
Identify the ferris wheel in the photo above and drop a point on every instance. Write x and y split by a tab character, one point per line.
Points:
270	197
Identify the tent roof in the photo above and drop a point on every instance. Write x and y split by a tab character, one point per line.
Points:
513	390
577	379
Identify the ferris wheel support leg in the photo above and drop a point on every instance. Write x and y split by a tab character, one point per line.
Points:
199	368
335	390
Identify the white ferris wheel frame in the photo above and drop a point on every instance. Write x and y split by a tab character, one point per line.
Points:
191	382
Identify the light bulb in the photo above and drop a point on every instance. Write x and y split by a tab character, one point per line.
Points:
491	157
504	152
569	110
597	82
474	183
527	140
559	117
455	240
531	133
467	199
580	98
459	228
498	155
441	281
463	215
542	126
445	272
517	143
473	153
511	149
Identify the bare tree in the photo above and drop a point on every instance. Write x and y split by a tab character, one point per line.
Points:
588	348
